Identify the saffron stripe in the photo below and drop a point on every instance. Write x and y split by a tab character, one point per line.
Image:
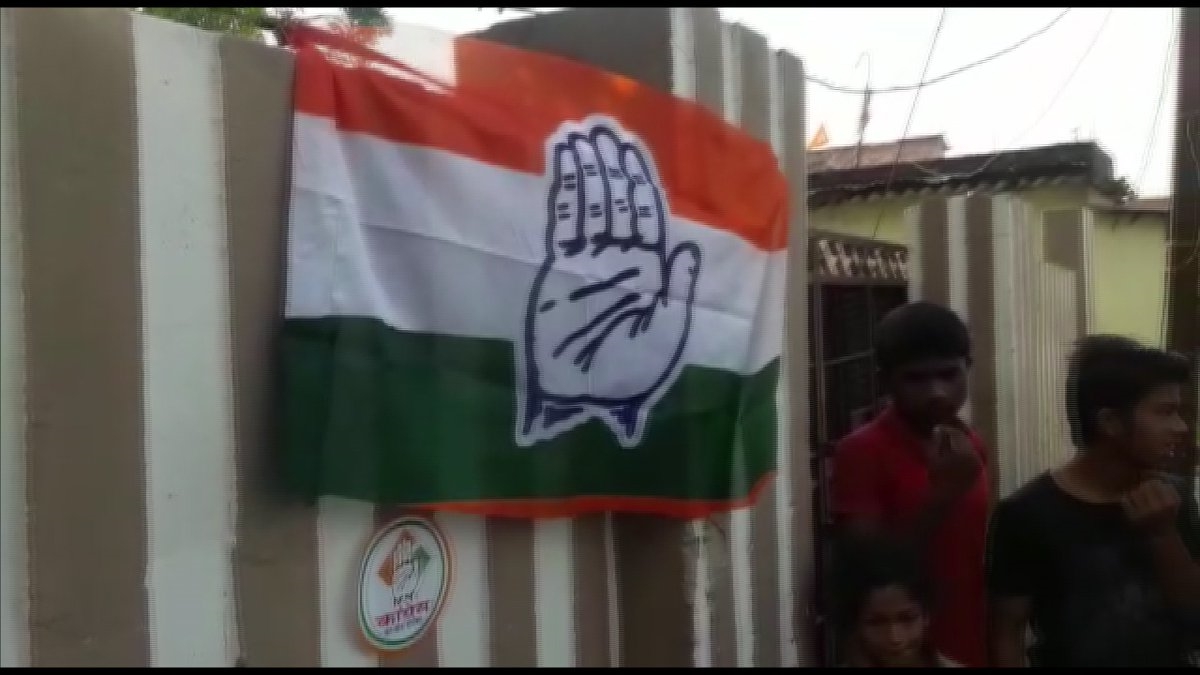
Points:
718	176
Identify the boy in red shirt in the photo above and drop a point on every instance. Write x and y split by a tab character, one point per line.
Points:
916	472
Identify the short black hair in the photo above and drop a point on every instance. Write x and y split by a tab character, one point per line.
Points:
917	331
1110	371
867	564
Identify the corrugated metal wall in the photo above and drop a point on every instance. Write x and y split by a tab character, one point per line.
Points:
142	247
1019	277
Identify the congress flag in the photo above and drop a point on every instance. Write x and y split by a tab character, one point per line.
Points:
523	286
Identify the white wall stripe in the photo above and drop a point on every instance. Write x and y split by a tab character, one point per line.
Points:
697	560
683	85
956	231
785	532
1004	254
187	363
912	225
1087	234
683	52
344	527
464	627
1045	303
743	585
785	520
739	520
554	592
957	244
731	74
14	574
401	236
798	521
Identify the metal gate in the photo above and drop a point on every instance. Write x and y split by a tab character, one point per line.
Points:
854	282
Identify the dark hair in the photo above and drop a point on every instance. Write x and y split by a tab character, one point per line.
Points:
865	565
1109	371
917	331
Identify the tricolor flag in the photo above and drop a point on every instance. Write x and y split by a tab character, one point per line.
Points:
526	287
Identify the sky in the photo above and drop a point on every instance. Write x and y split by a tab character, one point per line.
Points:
1098	74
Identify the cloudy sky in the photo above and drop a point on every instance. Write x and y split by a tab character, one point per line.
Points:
1097	74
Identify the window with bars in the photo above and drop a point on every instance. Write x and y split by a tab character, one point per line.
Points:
845	306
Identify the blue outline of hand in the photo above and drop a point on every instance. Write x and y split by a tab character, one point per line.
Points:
607	214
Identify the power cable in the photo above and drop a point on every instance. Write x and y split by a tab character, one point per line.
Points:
1162	91
944	76
912	109
1041	116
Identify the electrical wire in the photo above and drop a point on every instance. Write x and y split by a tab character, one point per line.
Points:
1038	120
1169	268
912	109
1148	152
1164	304
944	76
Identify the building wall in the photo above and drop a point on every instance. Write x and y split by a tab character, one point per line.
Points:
1130	265
1040	311
858	219
1127	260
1017	268
145	176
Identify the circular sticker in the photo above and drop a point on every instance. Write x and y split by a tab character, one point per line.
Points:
403	582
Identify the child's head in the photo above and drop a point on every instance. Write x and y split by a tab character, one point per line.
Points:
885	605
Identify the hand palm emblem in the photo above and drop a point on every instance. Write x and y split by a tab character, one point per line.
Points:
611	306
406	573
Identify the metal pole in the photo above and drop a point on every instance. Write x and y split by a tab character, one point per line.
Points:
1183	273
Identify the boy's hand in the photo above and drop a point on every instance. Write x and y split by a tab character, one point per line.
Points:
1152	507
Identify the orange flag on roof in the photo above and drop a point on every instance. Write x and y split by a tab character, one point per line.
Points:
820	139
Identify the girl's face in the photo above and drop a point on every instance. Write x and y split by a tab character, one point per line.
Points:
892	628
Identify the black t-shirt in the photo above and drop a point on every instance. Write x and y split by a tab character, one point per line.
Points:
1090	575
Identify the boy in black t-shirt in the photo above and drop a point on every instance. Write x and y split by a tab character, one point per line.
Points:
1100	557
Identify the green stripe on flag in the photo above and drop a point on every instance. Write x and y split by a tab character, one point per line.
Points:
377	414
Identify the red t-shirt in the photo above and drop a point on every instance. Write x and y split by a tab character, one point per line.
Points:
880	473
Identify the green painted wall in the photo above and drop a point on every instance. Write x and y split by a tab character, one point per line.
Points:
1128	270
859	219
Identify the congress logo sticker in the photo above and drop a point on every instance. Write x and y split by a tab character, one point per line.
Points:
403	583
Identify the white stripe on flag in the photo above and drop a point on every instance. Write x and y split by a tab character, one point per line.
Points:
483	251
739	564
